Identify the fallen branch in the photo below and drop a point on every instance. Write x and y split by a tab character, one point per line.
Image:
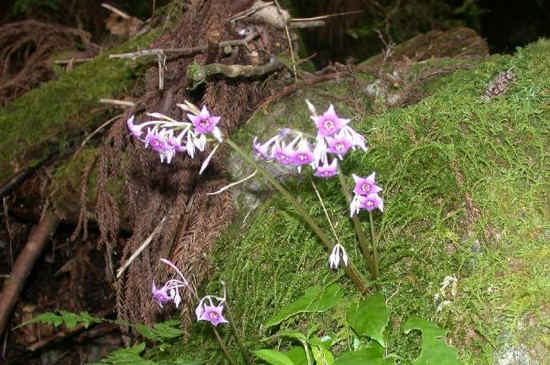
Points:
199	73
184	51
23	266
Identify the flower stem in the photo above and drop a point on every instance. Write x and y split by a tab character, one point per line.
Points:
371	261
237	335
374	244
359	281
224	348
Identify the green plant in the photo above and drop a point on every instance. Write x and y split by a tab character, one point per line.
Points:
366	323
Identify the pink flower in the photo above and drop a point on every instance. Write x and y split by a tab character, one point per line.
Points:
338	146
329	123
365	185
204	122
211	313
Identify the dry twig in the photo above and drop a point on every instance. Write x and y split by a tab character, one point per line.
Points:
183	51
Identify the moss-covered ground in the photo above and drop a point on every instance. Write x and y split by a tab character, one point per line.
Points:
51	117
466	186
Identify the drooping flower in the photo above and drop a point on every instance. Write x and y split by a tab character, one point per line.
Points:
365	185
170	291
161	294
337	252
283	155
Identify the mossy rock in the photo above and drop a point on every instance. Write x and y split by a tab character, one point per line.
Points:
466	184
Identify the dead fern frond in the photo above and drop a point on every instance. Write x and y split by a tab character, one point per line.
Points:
26	49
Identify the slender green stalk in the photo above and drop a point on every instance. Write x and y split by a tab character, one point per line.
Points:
224	348
359	281
371	261
374	244
237	334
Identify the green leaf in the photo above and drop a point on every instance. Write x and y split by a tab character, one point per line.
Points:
322	355
86	319
373	356
47	318
273	357
293	334
434	349
127	356
298	355
315	299
70	319
163	331
370	317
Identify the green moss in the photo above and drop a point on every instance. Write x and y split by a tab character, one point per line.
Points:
58	110
465	187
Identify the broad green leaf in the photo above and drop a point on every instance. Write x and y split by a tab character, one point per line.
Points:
434	349
298	355
273	357
370	317
322	355
316	299
372	356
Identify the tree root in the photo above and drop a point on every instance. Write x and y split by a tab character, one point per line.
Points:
23	266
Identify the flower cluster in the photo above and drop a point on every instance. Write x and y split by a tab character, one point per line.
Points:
167	136
170	291
366	195
334	137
